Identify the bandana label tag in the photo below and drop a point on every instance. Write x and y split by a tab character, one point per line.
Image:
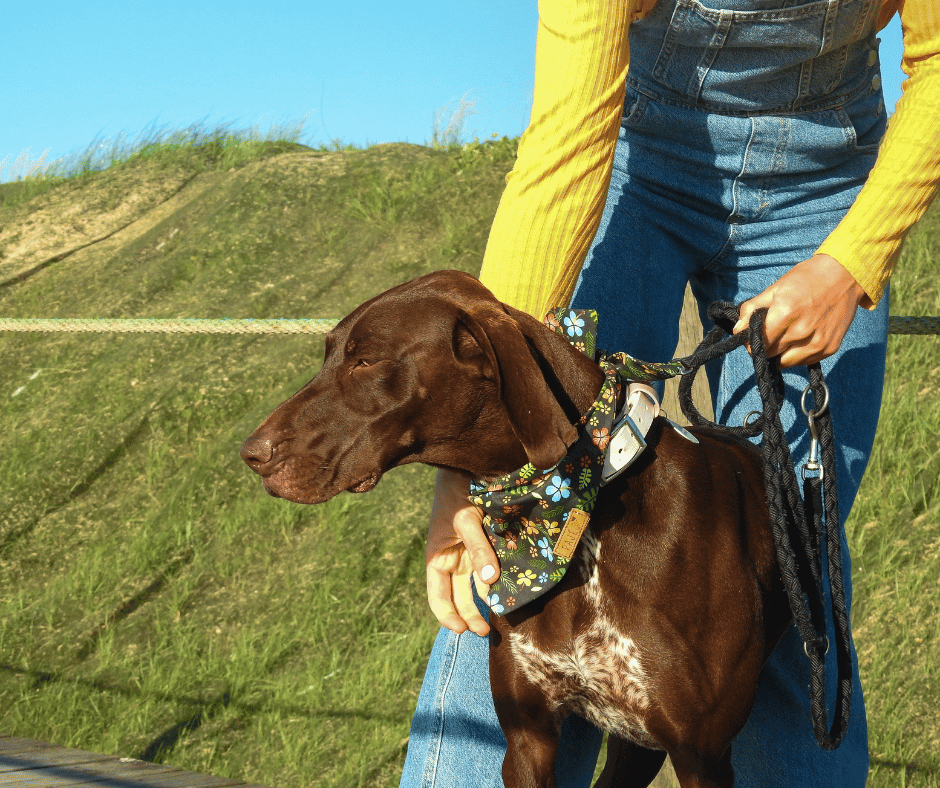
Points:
571	534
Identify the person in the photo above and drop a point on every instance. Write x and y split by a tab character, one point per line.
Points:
743	151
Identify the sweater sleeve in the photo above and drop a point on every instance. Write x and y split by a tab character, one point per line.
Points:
555	194
906	174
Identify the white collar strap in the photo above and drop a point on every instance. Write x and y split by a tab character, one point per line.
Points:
628	436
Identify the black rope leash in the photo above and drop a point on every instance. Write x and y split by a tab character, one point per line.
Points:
800	523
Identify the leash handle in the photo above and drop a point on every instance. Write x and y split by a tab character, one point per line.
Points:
815	524
718	342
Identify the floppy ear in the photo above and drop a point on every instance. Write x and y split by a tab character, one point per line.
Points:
536	417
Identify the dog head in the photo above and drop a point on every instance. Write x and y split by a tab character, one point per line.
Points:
435	370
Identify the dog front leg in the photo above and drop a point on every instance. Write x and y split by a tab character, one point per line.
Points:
531	733
531	728
698	771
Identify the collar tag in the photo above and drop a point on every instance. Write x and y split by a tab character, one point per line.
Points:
682	431
628	438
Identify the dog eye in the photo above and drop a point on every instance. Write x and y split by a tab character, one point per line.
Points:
361	364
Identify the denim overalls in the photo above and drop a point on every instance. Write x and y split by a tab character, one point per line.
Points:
749	128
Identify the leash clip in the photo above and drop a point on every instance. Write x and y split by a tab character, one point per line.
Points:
812	463
680	429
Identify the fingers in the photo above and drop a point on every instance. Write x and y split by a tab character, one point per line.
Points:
458	552
455	520
468	524
449	595
464	602
794	335
809	311
777	323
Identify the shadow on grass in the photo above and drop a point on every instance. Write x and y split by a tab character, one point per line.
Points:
909	769
204	710
80	488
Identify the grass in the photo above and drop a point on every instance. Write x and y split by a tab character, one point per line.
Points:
894	531
220	147
155	603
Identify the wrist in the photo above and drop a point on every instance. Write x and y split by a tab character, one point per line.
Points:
840	278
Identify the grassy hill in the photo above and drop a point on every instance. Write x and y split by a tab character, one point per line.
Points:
155	603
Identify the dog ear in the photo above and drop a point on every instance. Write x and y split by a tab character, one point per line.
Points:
505	357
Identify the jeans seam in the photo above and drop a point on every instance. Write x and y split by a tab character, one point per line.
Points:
437	734
809	108
725	249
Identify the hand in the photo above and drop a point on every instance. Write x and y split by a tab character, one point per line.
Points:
457	550
809	311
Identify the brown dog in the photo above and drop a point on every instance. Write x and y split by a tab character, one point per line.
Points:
672	603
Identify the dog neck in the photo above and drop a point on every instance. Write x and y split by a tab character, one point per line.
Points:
573	378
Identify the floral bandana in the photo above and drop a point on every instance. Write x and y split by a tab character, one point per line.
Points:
535	518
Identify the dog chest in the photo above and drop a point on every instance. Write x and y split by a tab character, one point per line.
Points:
599	673
599	676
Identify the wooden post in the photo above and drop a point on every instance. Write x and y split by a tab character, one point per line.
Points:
690	334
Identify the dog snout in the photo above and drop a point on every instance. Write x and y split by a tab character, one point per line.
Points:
257	452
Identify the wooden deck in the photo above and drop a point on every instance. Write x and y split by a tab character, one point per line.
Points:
25	763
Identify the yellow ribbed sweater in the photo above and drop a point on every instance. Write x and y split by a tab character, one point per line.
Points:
554	196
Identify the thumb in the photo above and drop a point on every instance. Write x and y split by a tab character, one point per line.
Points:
748	308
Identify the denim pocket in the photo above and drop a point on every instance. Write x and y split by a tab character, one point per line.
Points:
863	122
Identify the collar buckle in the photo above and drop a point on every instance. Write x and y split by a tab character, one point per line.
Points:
628	436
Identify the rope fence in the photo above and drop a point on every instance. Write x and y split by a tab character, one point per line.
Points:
898	325
168	326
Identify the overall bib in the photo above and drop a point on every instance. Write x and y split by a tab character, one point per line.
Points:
749	128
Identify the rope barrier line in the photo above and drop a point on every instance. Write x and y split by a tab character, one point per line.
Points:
914	325
898	325
169	326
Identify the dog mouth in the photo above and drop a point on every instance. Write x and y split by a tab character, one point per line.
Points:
366	484
305	493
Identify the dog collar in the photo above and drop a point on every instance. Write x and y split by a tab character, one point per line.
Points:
535	518
628	437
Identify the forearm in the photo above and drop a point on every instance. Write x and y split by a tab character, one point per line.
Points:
906	176
554	196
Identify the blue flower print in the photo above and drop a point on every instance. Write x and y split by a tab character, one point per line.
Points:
574	325
543	578
558	488
546	547
495	606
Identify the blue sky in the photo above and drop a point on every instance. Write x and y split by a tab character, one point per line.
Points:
361	73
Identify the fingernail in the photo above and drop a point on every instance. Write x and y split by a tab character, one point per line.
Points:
487	572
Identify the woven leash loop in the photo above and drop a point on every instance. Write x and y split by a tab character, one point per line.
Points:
809	524
718	342
839	606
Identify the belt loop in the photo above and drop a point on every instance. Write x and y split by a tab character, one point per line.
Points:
832	11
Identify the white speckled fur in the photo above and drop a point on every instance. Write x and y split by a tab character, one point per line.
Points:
589	553
600	676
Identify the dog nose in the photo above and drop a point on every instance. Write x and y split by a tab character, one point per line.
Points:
257	452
